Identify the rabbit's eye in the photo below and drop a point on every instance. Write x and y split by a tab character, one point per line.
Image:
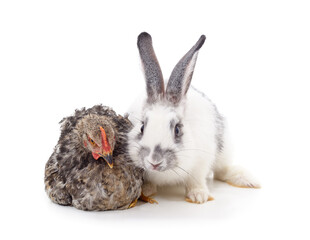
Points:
177	130
142	128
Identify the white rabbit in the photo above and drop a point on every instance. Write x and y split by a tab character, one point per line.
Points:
178	134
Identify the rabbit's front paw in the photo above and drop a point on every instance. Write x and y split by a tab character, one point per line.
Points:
198	196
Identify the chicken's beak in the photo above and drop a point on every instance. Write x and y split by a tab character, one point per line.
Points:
108	158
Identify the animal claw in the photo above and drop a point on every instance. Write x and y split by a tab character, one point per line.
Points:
133	204
147	199
191	201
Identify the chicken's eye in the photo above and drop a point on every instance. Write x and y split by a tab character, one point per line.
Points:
91	141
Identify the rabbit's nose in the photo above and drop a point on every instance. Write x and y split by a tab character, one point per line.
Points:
155	166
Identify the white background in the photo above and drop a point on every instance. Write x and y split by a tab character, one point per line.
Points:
56	56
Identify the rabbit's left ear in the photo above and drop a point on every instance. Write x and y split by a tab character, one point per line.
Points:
182	73
153	75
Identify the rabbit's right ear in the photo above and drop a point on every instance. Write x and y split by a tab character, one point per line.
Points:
153	75
182	73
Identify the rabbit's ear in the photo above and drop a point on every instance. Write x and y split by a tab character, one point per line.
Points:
153	75
182	73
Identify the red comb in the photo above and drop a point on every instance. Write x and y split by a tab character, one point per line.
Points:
105	144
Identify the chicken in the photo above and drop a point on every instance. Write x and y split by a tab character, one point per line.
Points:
81	171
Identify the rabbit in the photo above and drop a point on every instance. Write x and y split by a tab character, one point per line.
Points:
179	136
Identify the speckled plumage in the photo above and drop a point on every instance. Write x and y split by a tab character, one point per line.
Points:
74	177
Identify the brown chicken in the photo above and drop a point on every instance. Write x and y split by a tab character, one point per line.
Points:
81	171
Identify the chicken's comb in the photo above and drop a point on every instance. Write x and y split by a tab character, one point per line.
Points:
105	144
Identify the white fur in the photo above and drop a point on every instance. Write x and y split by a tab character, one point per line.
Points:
198	151
178	135
198	156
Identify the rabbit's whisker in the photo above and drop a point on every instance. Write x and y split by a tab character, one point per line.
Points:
176	173
190	175
194	149
130	115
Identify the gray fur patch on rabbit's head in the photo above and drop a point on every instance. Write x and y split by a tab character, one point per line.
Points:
158	137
